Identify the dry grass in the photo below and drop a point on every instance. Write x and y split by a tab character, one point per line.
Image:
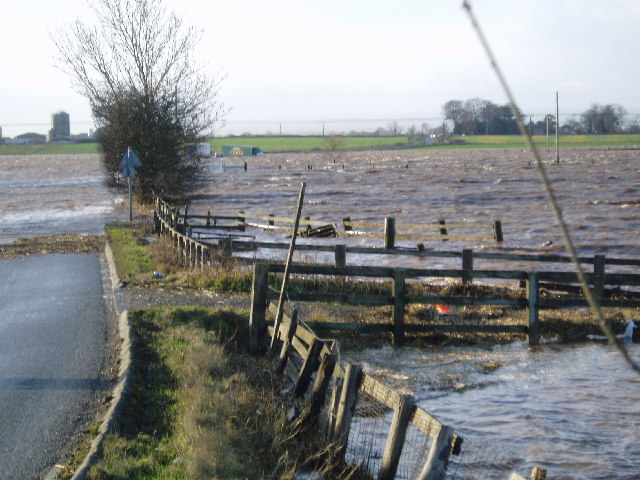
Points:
67	243
203	408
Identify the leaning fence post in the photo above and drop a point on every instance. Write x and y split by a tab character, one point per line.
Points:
533	297
395	440
286	342
389	232
321	384
308	367
467	266
435	467
598	279
399	283
346	407
259	291
341	255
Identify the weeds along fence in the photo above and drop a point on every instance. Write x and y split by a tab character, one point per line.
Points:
369	425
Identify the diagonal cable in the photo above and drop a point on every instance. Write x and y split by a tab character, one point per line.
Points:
593	304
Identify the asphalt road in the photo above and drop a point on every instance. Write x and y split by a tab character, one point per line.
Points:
54	339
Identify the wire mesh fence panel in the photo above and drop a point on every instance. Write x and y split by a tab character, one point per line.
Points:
415	452
368	433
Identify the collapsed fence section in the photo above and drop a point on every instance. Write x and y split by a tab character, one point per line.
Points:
370	425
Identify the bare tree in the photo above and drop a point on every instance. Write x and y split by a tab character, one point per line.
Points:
139	58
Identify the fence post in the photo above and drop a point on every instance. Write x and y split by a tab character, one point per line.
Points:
307	220
321	384
435	467
534	308
395	440
286	342
467	266
497	231
389	232
259	291
346	407
271	221
241	220
538	473
308	367
341	255
443	230
398	292
347	228
598	279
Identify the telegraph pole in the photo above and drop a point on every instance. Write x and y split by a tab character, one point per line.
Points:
557	130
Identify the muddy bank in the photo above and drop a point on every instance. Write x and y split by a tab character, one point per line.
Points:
65	243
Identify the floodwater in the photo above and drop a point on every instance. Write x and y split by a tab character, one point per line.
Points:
571	409
599	193
49	194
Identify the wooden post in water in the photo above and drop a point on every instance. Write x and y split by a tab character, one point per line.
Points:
443	230
345	221
241	220
395	440
399	283
533	295
389	233
497	231
598	280
287	267
438	459
258	305
467	266
538	473
346	407
341	255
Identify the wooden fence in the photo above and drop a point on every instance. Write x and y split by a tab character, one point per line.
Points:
352	409
399	298
198	254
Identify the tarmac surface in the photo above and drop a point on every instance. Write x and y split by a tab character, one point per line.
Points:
55	357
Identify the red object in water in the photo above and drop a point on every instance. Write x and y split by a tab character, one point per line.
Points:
443	309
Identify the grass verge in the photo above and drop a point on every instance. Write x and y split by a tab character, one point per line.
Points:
201	407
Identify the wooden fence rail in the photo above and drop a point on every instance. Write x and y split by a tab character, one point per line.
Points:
399	298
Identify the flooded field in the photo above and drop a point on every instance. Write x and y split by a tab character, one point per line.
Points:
599	193
50	194
571	409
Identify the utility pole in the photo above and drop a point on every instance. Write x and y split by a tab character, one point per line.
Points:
557	130
548	133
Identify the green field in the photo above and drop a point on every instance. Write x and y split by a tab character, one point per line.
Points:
309	144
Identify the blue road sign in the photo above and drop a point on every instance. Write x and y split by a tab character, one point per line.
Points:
130	162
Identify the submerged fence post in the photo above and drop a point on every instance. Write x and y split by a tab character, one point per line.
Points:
389	233
467	266
259	291
533	296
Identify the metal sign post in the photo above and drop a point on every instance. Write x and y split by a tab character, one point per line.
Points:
128	164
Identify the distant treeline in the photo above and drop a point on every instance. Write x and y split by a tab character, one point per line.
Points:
476	116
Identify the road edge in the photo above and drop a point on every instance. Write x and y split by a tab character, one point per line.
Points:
121	390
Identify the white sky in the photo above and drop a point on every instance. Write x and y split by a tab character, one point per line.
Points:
300	63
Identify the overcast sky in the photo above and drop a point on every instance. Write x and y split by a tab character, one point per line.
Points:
352	64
